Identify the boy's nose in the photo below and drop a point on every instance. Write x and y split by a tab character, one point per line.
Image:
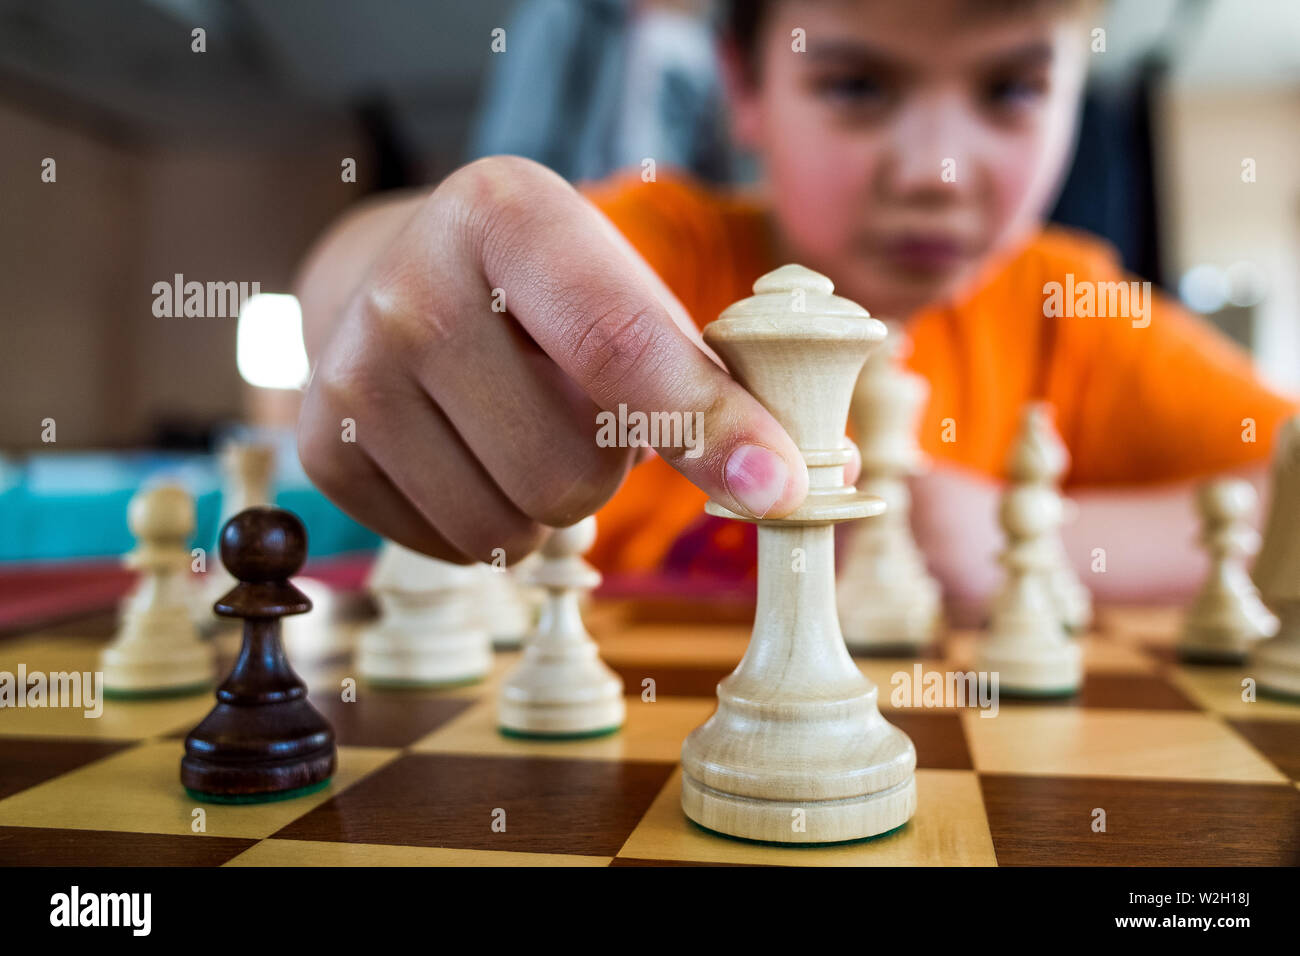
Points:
929	149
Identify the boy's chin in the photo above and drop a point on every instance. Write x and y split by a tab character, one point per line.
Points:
893	293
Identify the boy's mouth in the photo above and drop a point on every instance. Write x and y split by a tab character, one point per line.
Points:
929	253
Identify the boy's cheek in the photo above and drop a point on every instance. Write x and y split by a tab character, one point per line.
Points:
821	196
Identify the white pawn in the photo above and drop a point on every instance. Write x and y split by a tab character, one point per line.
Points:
158	649
888	601
506	611
245	483
1275	663
1027	644
247	468
1227	616
1040	456
561	687
429	633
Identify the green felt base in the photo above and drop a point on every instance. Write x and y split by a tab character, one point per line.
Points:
388	684
896	651
159	693
575	735
230	798
1282	695
1209	659
797	846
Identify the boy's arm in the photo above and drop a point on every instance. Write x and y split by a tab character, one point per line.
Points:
1145	538
1157	395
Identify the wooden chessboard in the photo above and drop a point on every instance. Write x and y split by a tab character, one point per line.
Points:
1185	770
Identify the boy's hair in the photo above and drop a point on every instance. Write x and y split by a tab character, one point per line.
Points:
743	19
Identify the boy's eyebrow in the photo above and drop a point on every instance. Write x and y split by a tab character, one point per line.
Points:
860	54
854	53
1037	53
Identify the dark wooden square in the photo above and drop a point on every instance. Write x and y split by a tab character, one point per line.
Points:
671	680
587	807
1047	821
35	846
387	718
939	738
1278	740
27	761
1115	692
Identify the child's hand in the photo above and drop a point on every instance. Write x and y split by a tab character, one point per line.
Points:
473	426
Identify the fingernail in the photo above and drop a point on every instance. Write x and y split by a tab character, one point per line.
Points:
756	477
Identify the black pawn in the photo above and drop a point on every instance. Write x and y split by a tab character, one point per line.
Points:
263	741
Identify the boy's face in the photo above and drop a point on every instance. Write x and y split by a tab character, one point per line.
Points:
910	141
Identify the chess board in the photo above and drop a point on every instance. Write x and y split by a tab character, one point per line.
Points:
1186	772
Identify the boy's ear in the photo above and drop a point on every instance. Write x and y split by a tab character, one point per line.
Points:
740	77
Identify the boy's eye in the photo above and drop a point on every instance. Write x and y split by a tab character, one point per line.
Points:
1015	93
851	91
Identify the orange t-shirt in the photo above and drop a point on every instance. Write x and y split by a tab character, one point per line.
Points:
1168	401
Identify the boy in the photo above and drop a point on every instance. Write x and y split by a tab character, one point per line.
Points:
910	152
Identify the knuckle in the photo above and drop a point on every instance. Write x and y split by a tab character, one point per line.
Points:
488	201
516	538
319	456
400	317
558	504
615	342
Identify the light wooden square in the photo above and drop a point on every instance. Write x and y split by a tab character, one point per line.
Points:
1219	689
139	791
950	828
653	731
1073	742
312	853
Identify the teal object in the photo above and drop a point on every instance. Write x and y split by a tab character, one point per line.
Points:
61	506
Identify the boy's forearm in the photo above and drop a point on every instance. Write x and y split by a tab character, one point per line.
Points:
1146	539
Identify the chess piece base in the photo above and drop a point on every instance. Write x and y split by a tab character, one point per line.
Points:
135	670
576	735
259	797
591	709
755	762
823	821
187	690
739	839
1034	670
1275	666
1210	654
265	752
561	687
883	630
394	657
1228	641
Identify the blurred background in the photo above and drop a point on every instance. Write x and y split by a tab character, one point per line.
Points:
224	166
